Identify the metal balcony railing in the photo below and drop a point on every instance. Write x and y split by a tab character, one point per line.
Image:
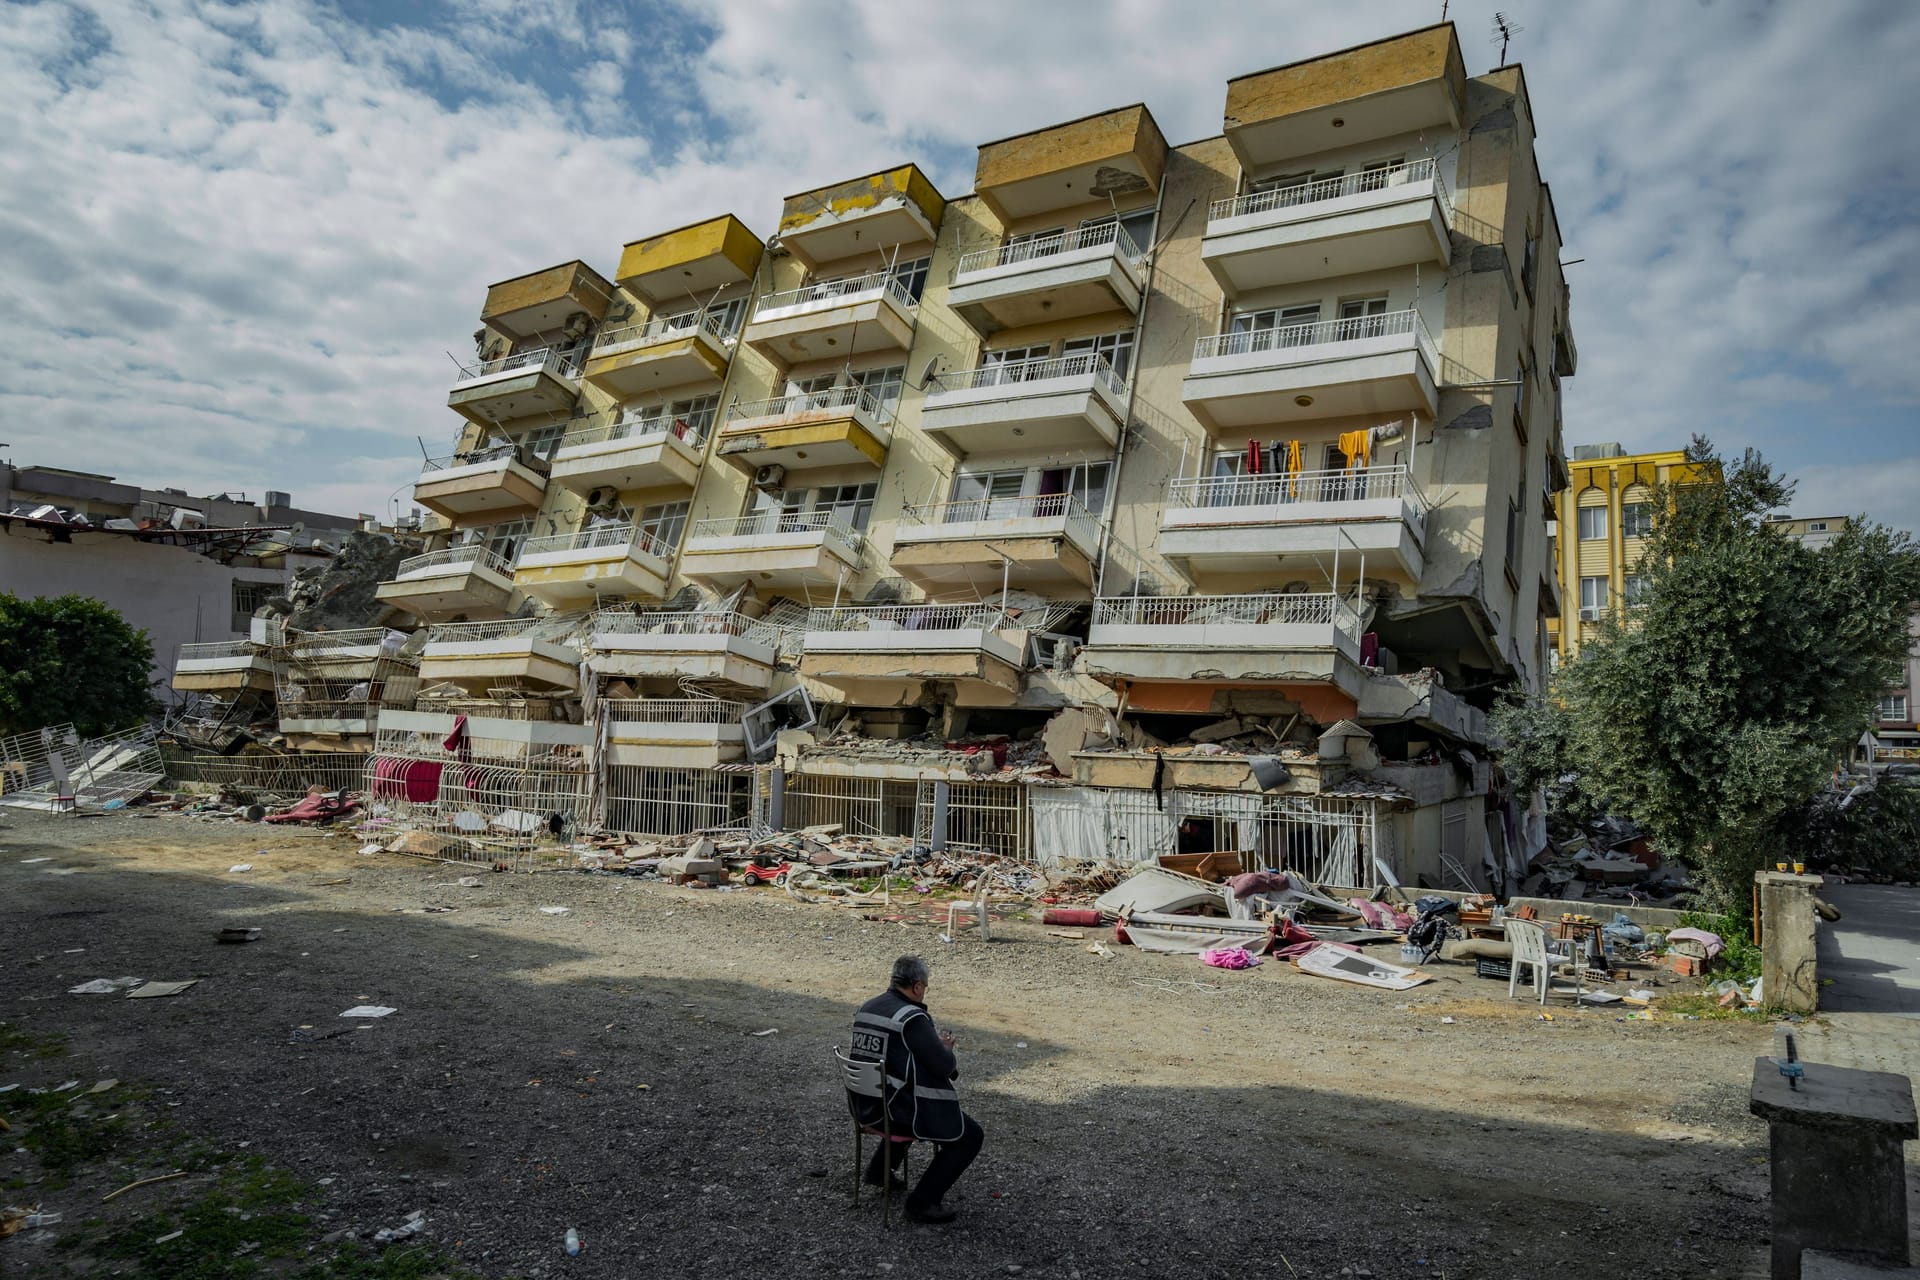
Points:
1297	194
610	535
302	644
201	651
765	524
478	557
673	710
452	632
703	622
908	617
823	294
1081	524
1034	248
1014	372
664	328
847	397
501	453
1318	609
689	429
564	364
1360	484
1319	333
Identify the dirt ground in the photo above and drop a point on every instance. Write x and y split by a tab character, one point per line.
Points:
599	1069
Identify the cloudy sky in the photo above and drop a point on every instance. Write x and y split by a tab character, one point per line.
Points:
237	240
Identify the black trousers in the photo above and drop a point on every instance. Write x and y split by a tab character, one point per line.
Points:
949	1161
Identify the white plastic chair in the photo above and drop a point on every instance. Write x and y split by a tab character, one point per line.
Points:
1529	939
868	1080
975	908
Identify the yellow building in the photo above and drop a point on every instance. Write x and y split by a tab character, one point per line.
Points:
1602	520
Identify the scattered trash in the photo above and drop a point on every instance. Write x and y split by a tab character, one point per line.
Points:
103	1086
1073	934
1446	1022
1229	958
573	1243
555	911
416	1223
27	862
370	848
769	1031
103	986
237	935
469	882
1100	949
154	990
171	1235
368	1011
1332	960
239	866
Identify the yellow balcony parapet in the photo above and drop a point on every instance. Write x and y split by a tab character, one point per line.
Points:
1113	154
894	207
844	426
541	301
690	262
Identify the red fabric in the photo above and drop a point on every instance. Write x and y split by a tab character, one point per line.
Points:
457	739
1080	916
1253	457
414	780
318	808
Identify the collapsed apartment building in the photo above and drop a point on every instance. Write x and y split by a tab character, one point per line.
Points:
1147	499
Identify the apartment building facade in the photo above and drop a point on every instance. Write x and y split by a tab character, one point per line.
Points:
1263	426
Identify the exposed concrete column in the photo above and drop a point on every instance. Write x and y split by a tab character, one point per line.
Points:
1787	924
942	795
777	799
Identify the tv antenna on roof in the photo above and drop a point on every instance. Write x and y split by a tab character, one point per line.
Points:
1505	29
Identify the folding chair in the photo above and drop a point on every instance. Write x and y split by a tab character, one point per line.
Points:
869	1080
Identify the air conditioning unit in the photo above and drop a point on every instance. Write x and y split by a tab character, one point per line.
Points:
1590	612
770	477
602	497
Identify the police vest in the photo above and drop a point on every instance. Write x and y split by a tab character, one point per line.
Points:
927	1109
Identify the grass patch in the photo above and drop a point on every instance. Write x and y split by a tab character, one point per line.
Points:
14	1041
1741	960
1705	1006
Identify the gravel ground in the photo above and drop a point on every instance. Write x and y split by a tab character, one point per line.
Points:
598	1069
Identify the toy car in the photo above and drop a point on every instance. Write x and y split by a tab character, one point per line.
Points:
762	873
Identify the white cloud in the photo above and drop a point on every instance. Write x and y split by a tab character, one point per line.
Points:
228	235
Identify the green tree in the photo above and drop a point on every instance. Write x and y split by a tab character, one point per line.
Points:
1716	708
71	658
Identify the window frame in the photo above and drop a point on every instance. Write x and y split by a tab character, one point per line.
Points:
1581	521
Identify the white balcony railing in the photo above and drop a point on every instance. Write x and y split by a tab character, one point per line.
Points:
474	457
689	429
202	651
304	644
673	710
848	397
1012	253
1081	525
701	622
1304	609
664	328
608	535
1360	484
1319	333
767	524
565	364
1296	194
822	294
476	557
495	629
909	617
1013	372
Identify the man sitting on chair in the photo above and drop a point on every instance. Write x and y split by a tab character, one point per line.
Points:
895	1028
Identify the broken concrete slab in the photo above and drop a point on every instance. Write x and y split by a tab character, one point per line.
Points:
1155	890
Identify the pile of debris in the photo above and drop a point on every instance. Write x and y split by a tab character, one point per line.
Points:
994	756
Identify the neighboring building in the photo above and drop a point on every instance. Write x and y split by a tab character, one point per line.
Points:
1812	531
1601	521
187	569
1262	427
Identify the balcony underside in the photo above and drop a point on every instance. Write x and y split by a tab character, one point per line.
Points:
797	334
543	301
461	592
478	665
636	369
1038	556
1284	537
887	668
654	462
699	259
714	661
1059	413
485	488
230	675
564	579
516	393
1236	391
823	438
1271	125
1041	290
786	562
1369	231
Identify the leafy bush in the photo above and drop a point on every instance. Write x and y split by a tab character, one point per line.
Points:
71	658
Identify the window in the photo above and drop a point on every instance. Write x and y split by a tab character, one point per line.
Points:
1376	173
1138	226
1366	318
1593	598
663	523
1513	533
1116	347
249	596
882	384
1013	364
1286	327
912	276
997	495
1520	424
850	504
504	539
542	442
689	419
1635	590
1593	523
1300	188
1816	526
1530	262
1893	707
1636	519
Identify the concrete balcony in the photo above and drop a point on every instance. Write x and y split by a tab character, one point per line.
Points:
681	733
572	570
698	260
667	352
1045	542
896	207
833	319
1328	369
510	653
544	301
779	550
488	738
1082	272
494	480
223	666
846	426
1255	524
1063	165
1071	402
334	683
546	380
713	647
1247	640
646	453
1364	221
458	580
866	653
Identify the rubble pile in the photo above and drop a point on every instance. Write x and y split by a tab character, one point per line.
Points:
339	595
994	757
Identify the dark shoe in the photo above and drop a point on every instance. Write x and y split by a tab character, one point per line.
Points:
933	1213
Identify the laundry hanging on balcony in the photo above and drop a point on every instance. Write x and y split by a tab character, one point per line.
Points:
1358	447
1253	457
1294	466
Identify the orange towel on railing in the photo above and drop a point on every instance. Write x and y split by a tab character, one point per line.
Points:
1294	467
1358	446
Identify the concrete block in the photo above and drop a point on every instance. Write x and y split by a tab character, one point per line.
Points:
1788	923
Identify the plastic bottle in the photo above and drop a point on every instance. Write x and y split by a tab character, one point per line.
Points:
573	1243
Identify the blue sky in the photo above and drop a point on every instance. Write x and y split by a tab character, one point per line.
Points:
237	240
